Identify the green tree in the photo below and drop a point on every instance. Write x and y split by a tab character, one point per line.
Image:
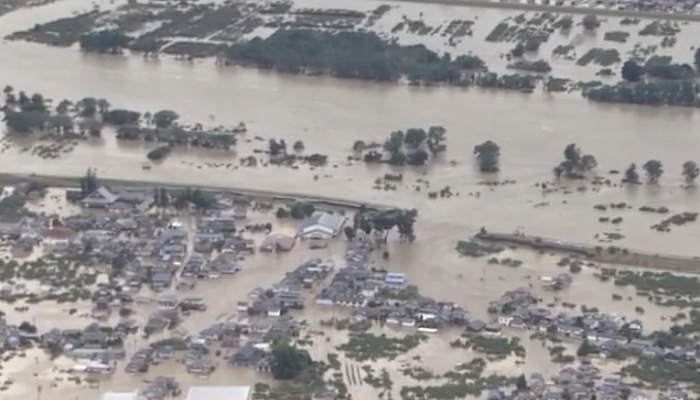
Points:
87	107
631	175
532	45
301	209
436	139
690	171
89	183
590	22
585	349
575	164
24	121
415	137
298	146
121	117
349	233
521	383
487	155
518	50
395	142
276	148
288	362
107	41
696	58
165	118
631	71
654	169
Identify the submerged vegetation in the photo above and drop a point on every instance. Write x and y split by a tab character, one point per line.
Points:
415	146
25	114
359	55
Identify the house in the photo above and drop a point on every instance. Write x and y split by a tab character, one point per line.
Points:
476	326
277	243
11	225
322	225
247	356
100	198
394	279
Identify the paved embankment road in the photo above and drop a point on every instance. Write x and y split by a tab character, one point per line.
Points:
605	254
253	194
558	9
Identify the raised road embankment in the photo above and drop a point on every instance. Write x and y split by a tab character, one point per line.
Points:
252	194
560	9
604	254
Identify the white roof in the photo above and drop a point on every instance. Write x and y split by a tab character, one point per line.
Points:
120	395
218	393
323	222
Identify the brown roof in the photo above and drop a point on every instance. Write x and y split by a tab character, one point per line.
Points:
58	233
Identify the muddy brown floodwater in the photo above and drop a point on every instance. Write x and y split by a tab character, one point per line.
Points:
329	115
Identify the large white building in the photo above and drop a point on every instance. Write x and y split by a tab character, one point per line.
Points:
219	393
322	225
119	395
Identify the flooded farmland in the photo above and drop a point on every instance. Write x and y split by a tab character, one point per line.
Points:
329	115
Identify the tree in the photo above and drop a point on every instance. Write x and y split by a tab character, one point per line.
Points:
121	117
631	71
349	233
414	138
24	121
395	142
276	148
487	155
103	105
159	153
165	118
590	22
288	361
87	107
301	209
585	349
118	263
697	58
532	45
89	183
162	197
63	107
631	175
521	383
566	23
690	171
298	146
436	138
588	162
359	146
518	50
107	41
654	169
575	164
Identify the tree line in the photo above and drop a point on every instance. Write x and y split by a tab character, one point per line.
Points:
576	165
25	114
359	55
415	146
